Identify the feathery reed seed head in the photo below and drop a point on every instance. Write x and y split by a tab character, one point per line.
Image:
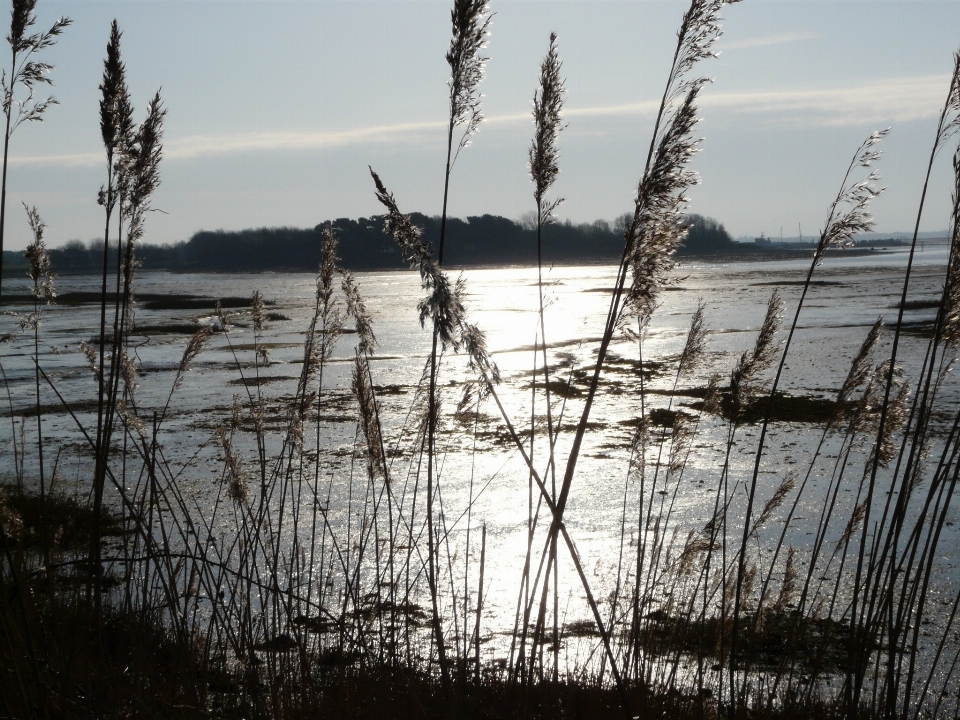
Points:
237	488
443	302
854	198
190	353
695	345
369	420
543	154
859	367
39	259
256	311
470	20
29	72
752	363
116	114
357	309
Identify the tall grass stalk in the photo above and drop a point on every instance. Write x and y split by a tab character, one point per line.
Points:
544	169
470	21
44	293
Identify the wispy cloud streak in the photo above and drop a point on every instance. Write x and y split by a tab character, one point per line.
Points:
897	100
892	101
779	39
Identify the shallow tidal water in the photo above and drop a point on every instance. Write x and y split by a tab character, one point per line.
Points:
848	295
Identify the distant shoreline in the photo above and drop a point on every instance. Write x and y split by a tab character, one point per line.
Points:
711	258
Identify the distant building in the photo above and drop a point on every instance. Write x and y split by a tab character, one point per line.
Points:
762	240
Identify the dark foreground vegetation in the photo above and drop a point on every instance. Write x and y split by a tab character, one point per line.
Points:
303	586
56	664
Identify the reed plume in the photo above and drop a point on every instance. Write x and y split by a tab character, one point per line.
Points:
443	303
743	378
859	370
357	309
329	314
657	228
141	169
191	351
369	419
696	342
39	272
116	132
788	587
849	213
950	117
475	345
543	154
238	489
655	231
44	293
470	20
775	501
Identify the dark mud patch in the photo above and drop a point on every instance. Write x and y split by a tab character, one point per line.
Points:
85	298
558	388
649	368
660	417
501	437
193	302
623	374
784	408
798	283
241	347
553	346
775	640
390	390
609	290
147	301
918	304
52	409
170	329
697	392
921	329
262	380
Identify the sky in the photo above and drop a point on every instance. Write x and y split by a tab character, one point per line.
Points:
276	108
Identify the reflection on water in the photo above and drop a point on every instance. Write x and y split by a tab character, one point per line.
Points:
477	459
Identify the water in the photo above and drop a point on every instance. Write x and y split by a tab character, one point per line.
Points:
849	294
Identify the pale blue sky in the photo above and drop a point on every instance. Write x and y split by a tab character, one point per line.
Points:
275	109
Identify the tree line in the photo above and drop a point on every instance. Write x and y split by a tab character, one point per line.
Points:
475	240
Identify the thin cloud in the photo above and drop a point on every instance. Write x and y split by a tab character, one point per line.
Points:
72	160
892	101
898	100
197	146
780	39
